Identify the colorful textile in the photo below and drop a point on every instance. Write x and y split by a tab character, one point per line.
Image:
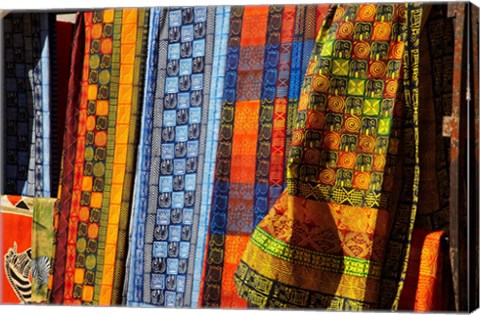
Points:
268	52
338	237
111	91
168	194
42	247
424	288
69	150
16	253
27	103
436	62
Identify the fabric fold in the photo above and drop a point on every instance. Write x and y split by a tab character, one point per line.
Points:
103	157
180	118
28	103
338	237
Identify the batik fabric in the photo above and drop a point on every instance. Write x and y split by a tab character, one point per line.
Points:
16	249
179	121
69	149
42	247
425	284
28	100
338	237
267	56
111	92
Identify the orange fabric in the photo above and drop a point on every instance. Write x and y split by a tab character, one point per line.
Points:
423	289
15	249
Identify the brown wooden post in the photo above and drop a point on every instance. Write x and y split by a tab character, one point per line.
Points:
474	161
456	10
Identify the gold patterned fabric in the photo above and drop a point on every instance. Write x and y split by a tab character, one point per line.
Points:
338	237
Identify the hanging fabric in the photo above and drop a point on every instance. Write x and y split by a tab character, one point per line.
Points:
16	244
26	226
69	149
338	237
180	123
29	38
426	288
42	247
111	92
268	52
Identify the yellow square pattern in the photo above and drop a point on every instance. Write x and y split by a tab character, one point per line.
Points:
356	87
384	126
327	48
341	67
372	107
87	293
79	275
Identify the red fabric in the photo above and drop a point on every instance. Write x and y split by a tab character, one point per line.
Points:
69	151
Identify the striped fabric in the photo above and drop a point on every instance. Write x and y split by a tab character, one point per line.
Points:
178	124
268	50
111	94
69	150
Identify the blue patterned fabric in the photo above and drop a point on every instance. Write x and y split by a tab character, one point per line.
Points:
179	123
222	27
134	272
28	101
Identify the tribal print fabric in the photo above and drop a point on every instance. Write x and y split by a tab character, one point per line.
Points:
42	247
111	92
171	156
268	51
329	242
258	156
28	100
16	214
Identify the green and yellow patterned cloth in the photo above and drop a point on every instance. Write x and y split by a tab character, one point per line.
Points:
43	236
339	236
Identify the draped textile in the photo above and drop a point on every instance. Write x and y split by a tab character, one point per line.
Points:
180	123
27	90
42	247
339	235
268	52
16	252
111	91
69	149
426	285
424	289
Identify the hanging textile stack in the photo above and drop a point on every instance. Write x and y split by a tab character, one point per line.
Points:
275	156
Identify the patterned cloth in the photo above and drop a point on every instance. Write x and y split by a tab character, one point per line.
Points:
111	91
69	150
268	53
42	247
339	235
177	124
16	253
278	163
424	289
28	99
426	284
